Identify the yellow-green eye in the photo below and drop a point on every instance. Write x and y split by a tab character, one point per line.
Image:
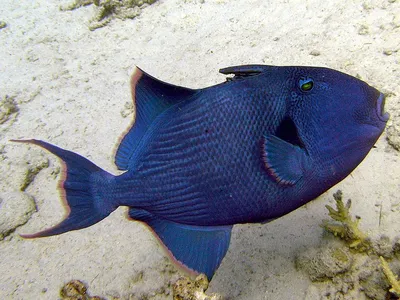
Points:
306	84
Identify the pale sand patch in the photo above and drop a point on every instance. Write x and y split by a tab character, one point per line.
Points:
70	86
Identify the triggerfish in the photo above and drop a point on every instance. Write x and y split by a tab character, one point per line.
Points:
249	150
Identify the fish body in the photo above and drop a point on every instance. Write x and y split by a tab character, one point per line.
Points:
248	150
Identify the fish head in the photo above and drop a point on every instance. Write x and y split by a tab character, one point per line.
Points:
337	119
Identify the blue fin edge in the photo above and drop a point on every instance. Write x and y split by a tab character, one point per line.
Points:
285	162
195	248
151	98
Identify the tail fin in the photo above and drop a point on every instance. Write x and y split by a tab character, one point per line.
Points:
85	188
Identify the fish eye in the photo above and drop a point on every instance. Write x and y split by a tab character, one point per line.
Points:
306	84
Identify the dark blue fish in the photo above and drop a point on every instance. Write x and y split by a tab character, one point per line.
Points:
249	150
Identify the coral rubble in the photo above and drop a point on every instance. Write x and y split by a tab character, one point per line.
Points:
76	290
326	262
353	266
186	289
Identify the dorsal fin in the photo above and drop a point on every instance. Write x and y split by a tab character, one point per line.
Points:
243	71
151	97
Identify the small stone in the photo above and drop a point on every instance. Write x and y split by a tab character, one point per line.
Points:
315	53
186	289
393	135
383	247
3	24
363	30
127	110
387	52
73	289
76	290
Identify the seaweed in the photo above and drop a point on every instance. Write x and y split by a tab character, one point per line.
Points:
76	4
8	108
31	172
344	226
107	10
394	282
353	264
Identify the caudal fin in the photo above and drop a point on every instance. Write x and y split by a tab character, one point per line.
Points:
85	188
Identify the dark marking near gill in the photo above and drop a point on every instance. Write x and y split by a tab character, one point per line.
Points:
287	131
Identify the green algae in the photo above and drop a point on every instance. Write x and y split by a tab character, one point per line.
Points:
393	280
8	108
31	173
76	4
367	275
107	10
344	226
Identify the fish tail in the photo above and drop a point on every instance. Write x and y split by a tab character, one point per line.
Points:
86	190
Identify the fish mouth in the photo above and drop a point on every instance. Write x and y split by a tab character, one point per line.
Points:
380	108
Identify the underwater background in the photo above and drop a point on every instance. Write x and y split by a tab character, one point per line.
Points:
64	77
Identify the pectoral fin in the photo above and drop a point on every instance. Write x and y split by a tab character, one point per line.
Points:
284	161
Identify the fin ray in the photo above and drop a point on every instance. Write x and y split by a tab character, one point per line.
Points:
284	161
151	98
84	206
197	248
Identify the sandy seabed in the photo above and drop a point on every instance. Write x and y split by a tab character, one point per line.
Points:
65	84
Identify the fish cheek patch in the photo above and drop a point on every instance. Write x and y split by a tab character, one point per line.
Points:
287	131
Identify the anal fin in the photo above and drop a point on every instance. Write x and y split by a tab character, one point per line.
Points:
197	248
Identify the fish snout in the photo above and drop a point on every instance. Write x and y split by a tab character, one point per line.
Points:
380	108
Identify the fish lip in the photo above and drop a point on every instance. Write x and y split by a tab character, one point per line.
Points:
380	108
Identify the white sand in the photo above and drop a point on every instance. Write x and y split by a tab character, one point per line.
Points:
71	84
